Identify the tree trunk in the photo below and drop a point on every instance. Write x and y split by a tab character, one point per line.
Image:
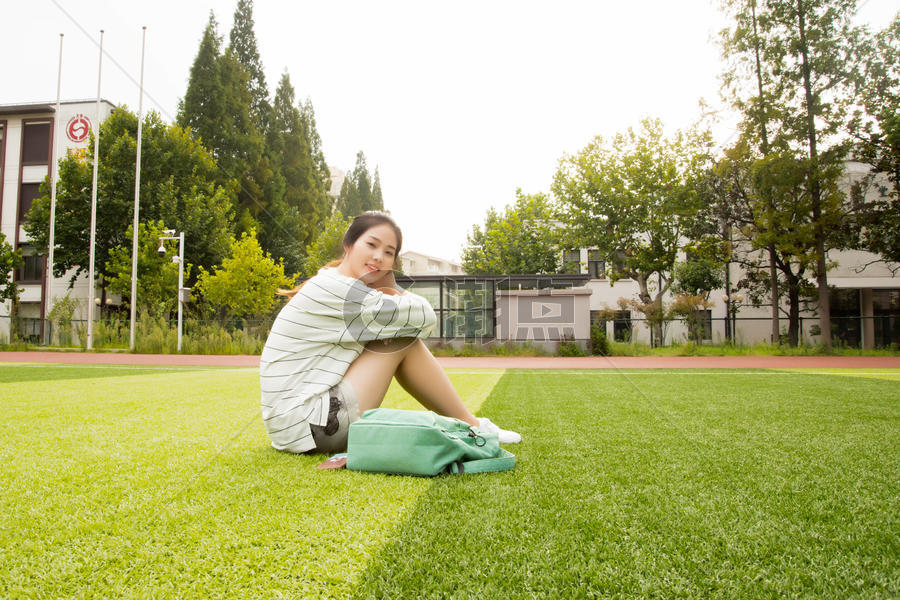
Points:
815	189
794	312
773	275
773	285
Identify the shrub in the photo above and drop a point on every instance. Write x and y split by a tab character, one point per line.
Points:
569	347
599	342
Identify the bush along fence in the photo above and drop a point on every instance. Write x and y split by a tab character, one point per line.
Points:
156	335
153	335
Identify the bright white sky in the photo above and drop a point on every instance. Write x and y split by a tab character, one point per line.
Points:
458	104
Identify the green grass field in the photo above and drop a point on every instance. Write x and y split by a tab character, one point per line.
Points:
139	482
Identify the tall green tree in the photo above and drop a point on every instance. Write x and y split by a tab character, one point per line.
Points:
633	198
875	127
808	58
743	47
356	192
217	108
242	40
308	116
522	239
178	187
377	199
295	217
764	203
202	108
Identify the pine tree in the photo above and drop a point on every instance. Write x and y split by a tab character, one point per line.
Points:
242	40
240	153
363	182
377	200
308	116
348	199
201	108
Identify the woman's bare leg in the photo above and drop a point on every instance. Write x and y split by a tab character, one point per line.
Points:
420	374
416	370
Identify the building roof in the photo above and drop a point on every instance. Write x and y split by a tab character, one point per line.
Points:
421	255
41	107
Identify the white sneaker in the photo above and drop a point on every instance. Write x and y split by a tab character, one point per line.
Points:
505	437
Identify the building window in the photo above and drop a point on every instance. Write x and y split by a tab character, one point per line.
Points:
700	325
622	326
30	191
32	269
845	316
596	265
886	309
36	143
572	262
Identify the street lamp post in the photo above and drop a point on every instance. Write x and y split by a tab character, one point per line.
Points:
170	235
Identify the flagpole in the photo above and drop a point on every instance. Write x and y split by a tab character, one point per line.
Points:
137	197
90	308
53	177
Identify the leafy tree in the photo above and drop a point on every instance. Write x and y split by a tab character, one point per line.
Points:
697	277
157	280
743	47
767	207
875	126
246	283
807	62
10	260
633	198
523	239
327	246
177	187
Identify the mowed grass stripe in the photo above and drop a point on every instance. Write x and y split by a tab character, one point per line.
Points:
705	487
24	372
165	485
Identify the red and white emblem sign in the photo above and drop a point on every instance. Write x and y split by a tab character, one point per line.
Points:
78	128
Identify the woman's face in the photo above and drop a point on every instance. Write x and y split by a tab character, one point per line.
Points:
371	255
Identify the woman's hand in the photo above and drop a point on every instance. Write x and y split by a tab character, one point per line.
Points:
390	291
385	280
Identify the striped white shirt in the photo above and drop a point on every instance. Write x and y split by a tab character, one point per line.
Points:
315	338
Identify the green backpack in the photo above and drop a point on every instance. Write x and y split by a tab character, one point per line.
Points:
412	442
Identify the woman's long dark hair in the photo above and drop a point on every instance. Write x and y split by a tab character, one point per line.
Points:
361	224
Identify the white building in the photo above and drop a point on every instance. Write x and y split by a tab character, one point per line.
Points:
416	263
865	301
26	155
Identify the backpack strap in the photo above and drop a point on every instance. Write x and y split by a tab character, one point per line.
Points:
504	462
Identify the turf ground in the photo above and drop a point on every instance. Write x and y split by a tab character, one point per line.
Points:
133	482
